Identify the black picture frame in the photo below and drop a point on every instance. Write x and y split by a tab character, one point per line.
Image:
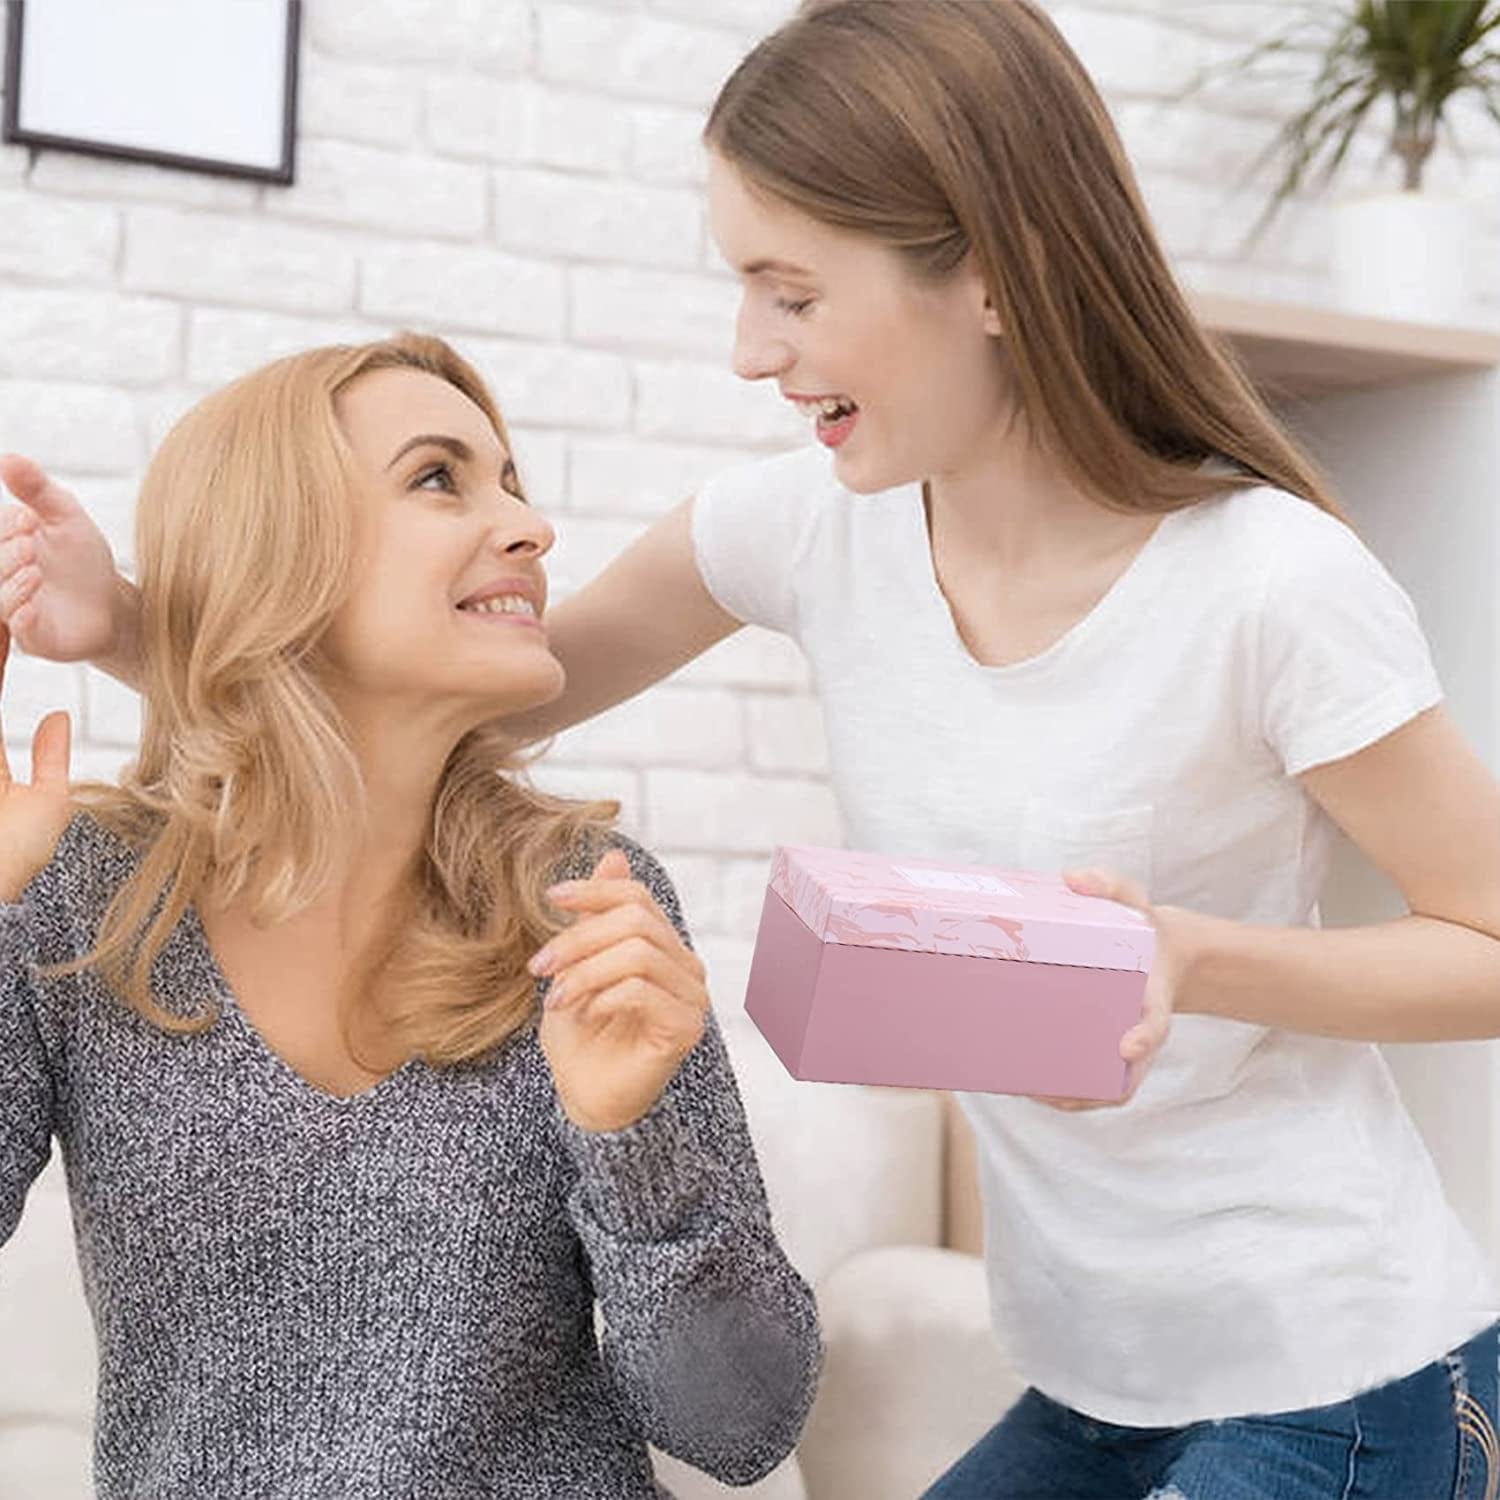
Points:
13	130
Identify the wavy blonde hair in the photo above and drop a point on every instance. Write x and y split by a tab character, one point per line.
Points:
247	786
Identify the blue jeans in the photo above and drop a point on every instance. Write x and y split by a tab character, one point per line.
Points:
1430	1436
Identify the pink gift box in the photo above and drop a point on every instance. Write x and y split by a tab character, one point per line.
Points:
931	974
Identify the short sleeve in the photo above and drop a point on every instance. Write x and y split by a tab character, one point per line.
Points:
751	529
1343	660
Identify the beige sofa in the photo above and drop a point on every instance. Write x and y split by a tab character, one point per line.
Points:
871	1190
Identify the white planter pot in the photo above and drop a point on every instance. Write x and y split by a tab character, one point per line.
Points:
1403	255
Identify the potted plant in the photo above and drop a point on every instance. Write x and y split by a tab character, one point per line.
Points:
1401	252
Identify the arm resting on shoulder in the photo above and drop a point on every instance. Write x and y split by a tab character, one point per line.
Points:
647	614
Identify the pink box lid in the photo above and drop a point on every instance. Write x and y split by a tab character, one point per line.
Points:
938	906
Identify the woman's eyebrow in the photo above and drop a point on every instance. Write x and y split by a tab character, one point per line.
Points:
459	449
764	267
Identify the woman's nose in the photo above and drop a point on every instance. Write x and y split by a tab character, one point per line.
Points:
758	356
522	531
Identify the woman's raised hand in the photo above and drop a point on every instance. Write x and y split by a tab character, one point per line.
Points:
627	1001
32	815
59	592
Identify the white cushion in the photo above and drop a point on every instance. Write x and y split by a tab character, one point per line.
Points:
44	1461
913	1377
846	1167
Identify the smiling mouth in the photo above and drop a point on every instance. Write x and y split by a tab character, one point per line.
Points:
833	417
826	410
501	604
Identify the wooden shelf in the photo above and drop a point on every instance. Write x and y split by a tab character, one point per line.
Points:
1297	351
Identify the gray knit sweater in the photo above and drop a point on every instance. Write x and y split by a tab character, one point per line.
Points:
312	1298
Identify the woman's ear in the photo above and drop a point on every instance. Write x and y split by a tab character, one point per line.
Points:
980	299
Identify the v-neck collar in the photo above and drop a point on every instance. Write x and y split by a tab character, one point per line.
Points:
270	1062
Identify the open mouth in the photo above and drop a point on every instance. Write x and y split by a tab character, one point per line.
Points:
833	417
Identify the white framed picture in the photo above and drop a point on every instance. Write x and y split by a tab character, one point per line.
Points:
206	85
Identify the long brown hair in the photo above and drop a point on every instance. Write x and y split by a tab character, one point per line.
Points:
958	128
246	786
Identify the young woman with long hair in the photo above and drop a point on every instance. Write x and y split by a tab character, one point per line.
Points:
1073	599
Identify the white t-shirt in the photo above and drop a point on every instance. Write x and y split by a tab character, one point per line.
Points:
1261	1228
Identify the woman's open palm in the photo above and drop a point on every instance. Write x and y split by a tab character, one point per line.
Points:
57	574
32	814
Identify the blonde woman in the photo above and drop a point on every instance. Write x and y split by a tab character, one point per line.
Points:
346	1192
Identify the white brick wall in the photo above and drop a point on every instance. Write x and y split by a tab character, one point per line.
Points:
524	176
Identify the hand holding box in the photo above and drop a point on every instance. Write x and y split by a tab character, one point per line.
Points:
931	974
